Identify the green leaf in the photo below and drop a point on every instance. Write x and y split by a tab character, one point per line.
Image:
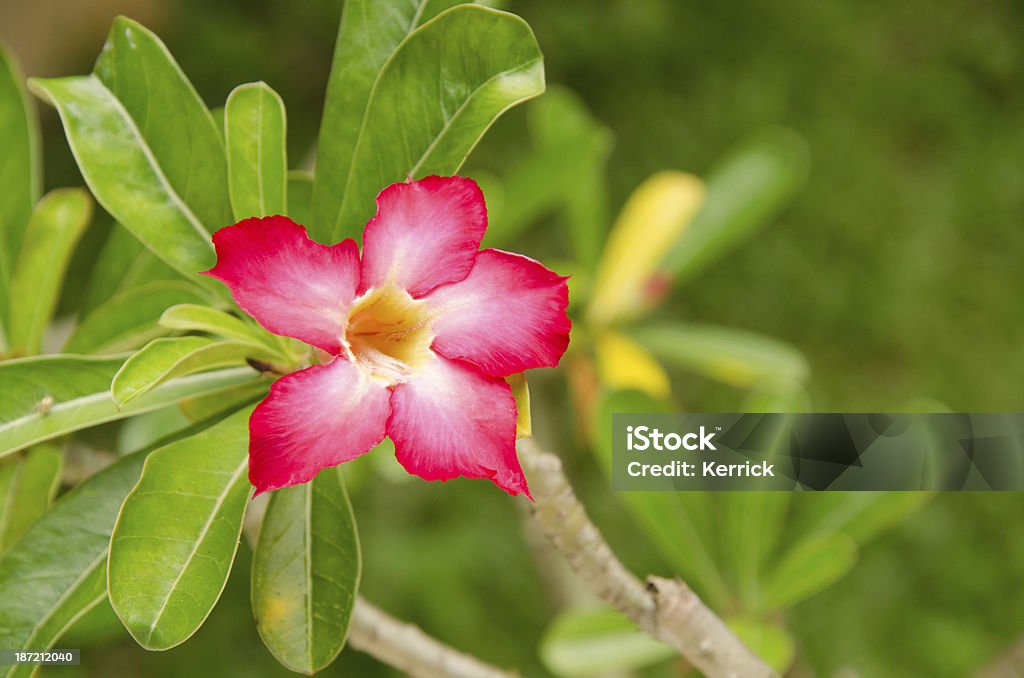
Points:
806	569
567	135
147	146
196	318
677	523
730	355
20	171
179	130
254	131
772	643
860	515
300	197
57	223
435	97
143	430
132	318
56	572
123	263
751	525
562	114
305	572
548	176
218	114
777	396
207	406
598	642
748	188
45	397
124	175
370	32
164	359
27	486
177	533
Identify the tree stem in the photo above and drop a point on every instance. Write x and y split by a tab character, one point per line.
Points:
667	609
1010	664
408	649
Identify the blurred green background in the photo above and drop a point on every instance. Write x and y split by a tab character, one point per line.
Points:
897	272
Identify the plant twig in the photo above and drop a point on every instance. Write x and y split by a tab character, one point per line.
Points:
667	609
1010	664
408	649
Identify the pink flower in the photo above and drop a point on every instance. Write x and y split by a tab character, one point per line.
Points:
421	332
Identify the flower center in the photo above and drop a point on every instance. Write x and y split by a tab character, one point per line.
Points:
388	334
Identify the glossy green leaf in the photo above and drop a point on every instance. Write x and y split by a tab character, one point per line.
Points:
255	129
206	406
370	32
196	318
305	572
143	430
748	188
123	263
164	359
300	197
218	113
27	486
730	355
56	572
20	171
109	149
48	396
435	97
147	146
179	130
806	569
597	642
678	523
96	628
57	223
177	533
132	318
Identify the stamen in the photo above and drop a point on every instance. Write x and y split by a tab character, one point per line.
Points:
388	334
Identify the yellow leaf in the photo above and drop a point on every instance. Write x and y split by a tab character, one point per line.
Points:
521	392
625	364
651	221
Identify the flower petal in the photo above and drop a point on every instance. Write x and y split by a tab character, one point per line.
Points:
506	316
451	420
315	418
290	284
426	233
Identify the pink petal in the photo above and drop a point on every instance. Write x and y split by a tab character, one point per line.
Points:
288	283
315	418
426	233
451	420
506	316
